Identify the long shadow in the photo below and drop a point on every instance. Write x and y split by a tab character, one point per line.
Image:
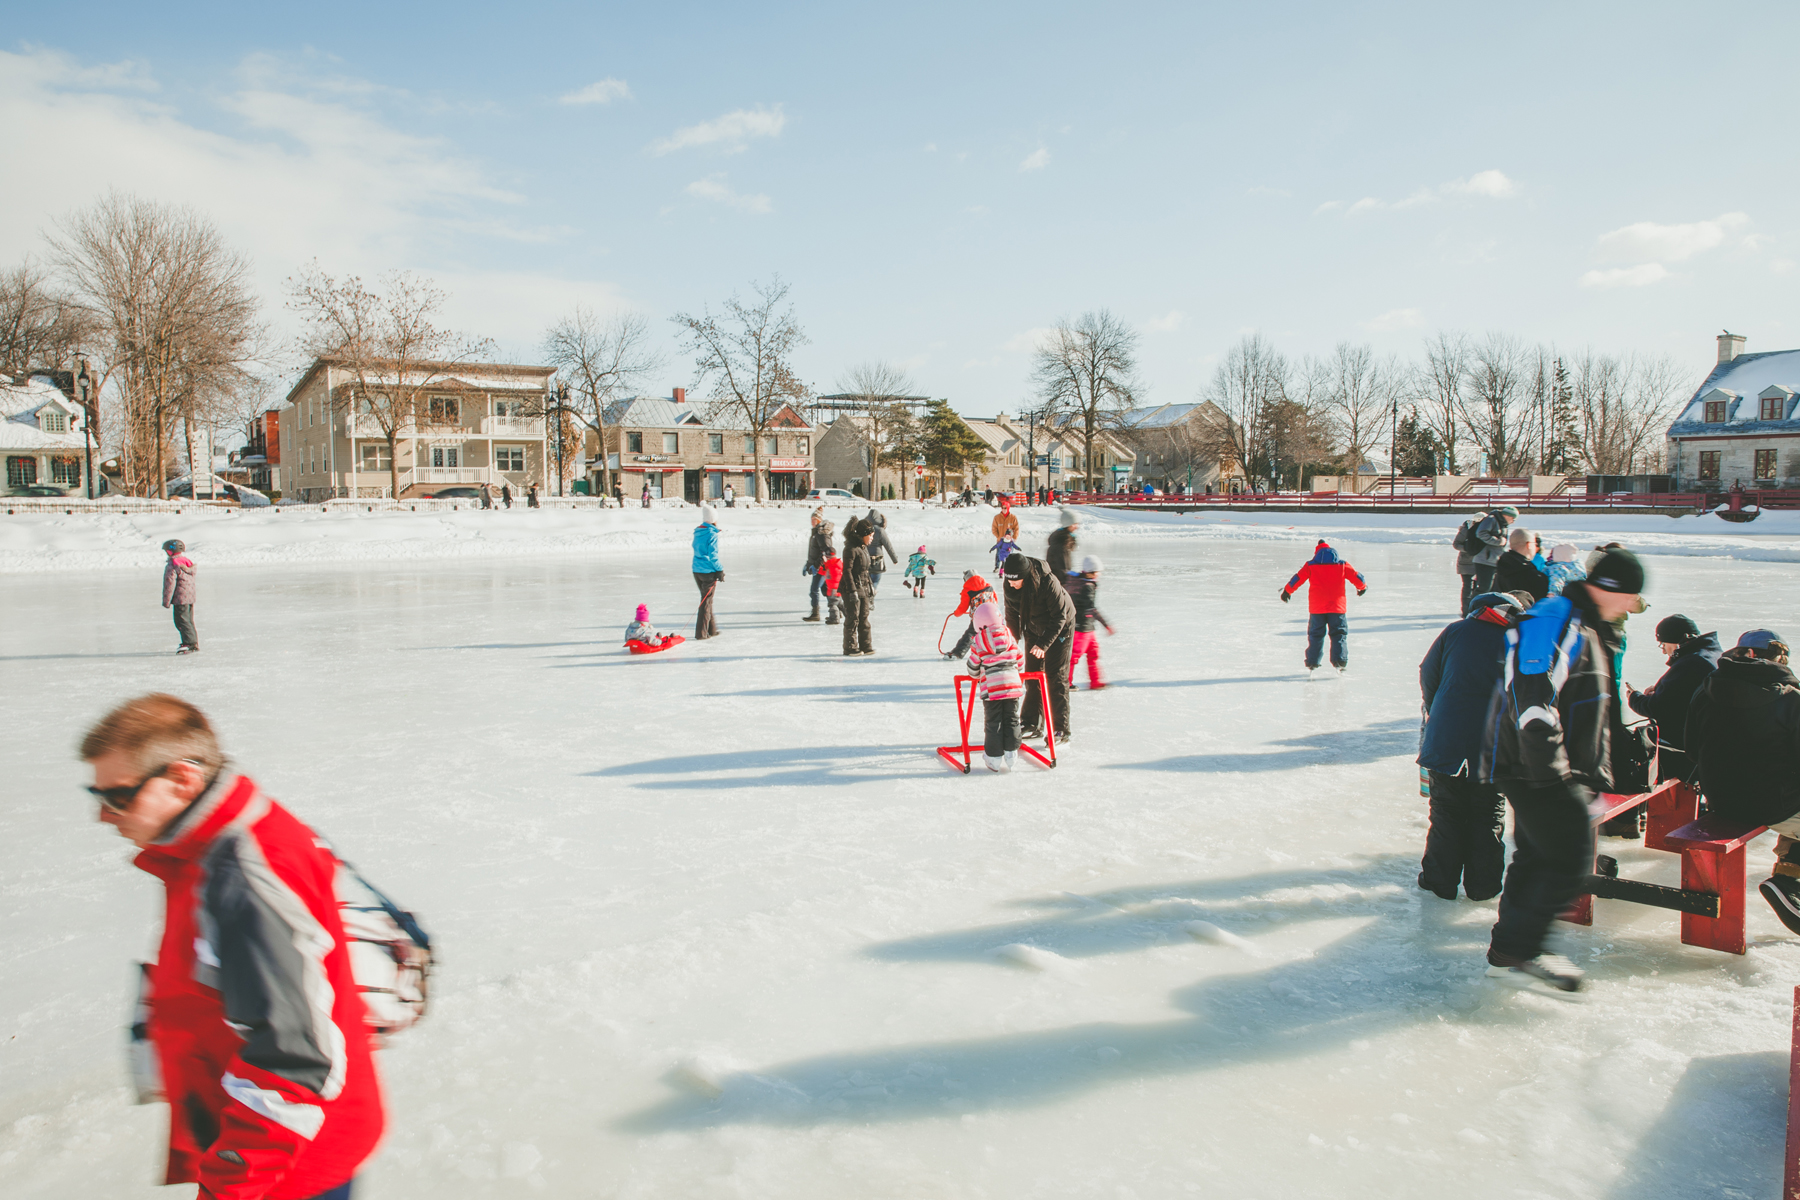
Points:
1400	966
55	657
1721	1134
863	692
804	766
1372	742
1134	684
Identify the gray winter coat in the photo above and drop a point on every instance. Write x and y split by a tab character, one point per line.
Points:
1491	533
878	523
178	580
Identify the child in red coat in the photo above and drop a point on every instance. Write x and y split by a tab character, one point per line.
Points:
1326	574
833	572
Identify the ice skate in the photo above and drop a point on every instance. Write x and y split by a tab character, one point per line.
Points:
188	650
1783	895
996	763
1553	970
1011	757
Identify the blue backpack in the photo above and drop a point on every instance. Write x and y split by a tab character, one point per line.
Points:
1540	633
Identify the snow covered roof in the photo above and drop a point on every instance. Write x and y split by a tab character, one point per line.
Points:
1160	417
1743	383
652	412
25	406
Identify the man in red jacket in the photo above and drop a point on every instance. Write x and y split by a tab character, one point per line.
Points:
258	1027
1326	574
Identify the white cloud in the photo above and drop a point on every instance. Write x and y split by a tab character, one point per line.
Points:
1668	243
1482	183
733	130
603	91
1639	276
1364	205
1393	320
1037	160
1328	206
1492	185
715	189
1167	323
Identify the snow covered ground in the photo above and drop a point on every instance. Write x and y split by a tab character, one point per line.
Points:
717	923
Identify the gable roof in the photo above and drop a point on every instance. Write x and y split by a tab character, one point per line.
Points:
20	403
652	412
1743	381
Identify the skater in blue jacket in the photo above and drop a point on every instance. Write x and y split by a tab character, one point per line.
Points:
708	574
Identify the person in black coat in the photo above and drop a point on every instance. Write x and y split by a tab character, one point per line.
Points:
1457	678
1515	572
1042	619
876	524
855	589
1692	657
1061	553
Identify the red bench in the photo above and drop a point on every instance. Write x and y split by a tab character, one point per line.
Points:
1711	896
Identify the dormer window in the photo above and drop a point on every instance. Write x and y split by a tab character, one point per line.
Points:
1715	411
52	421
1771	408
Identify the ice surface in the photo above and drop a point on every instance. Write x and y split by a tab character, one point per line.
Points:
718	923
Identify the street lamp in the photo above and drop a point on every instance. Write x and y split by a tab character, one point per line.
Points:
1393	449
84	388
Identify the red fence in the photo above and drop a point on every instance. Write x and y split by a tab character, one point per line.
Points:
1472	500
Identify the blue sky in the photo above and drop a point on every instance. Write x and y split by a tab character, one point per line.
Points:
938	181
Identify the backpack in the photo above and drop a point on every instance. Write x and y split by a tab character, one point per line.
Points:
1465	539
390	958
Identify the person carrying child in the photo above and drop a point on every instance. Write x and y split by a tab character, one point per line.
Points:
1326	575
1084	587
1006	535
641	630
917	566
995	661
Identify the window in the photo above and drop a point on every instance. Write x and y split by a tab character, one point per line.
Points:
376	457
1765	464
21	471
715	443
509	408
509	458
671	443
445	456
1709	464
771	446
1771	408
634	443
803	446
65	469
444	410
749	444
1715	410
55	422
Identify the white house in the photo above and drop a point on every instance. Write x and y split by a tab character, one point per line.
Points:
43	436
1740	427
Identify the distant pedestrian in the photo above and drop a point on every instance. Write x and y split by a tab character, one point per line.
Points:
531	500
506	494
708	574
178	593
487	496
730	496
879	544
644	497
1490	538
818	545
1084	590
618	494
1325	575
1061	552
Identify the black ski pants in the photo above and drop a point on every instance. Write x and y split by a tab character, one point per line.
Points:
1001	719
184	624
857	636
708	583
1553	849
1055	666
1468	594
1484	580
1464	844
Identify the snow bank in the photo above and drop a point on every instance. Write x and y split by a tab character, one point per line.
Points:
40	542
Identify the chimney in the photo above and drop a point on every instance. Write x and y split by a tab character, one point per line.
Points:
681	393
1730	346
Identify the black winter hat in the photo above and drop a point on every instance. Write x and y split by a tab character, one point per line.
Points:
1014	566
1676	629
1618	571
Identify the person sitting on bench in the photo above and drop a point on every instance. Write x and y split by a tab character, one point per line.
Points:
1548	747
1692	657
1743	730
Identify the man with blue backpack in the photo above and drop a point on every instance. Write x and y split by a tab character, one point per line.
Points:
1548	749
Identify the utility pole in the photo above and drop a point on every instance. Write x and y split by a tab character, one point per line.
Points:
1393	449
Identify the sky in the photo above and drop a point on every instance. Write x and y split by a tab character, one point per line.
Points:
938	183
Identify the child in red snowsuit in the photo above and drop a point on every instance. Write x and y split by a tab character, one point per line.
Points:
1326	574
1084	589
832	571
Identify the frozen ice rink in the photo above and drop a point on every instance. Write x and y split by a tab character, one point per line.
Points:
717	923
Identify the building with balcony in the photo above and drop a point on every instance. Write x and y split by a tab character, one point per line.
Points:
666	447
1740	428
467	424
1174	448
43	436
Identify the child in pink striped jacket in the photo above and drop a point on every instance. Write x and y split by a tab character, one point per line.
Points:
995	661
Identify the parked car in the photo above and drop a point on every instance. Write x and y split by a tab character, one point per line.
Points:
455	493
40	489
834	496
222	489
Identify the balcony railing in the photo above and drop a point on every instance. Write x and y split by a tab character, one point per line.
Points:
449	475
365	426
522	427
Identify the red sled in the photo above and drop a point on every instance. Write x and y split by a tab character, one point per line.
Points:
637	647
965	712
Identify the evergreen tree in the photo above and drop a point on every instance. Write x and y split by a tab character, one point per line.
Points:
1564	451
1417	449
946	443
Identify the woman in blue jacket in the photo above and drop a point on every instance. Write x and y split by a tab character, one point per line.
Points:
708	575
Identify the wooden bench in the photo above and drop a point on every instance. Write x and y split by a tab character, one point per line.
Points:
1712	863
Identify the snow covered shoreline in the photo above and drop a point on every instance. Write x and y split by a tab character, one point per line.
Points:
54	542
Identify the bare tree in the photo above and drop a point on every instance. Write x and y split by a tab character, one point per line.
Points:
604	359
1621	407
747	353
388	342
1246	388
42	327
1437	391
880	389
1359	400
1086	374
1496	404
175	307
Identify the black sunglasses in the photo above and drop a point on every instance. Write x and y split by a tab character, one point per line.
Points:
120	799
